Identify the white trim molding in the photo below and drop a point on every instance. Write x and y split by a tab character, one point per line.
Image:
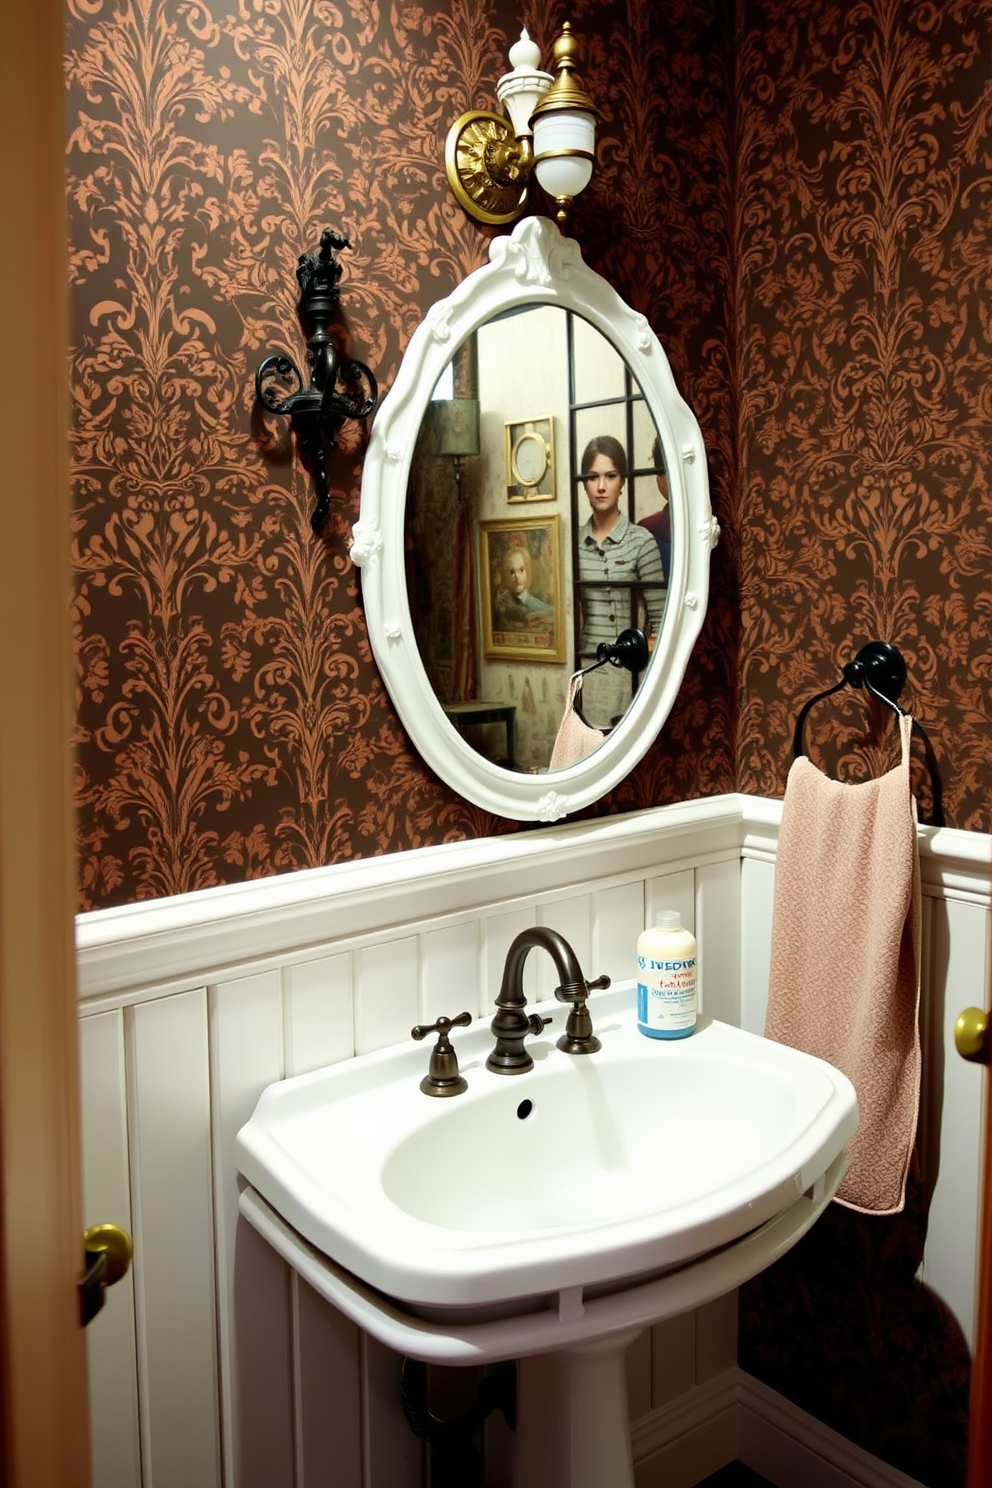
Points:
736	1417
190	937
786	1445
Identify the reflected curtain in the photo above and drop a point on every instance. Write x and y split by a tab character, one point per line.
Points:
464	679
465	624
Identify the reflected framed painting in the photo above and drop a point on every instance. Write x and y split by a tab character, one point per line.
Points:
520	572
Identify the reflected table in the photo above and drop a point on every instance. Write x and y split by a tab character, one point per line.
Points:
461	714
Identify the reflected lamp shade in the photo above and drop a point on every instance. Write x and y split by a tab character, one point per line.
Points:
456	426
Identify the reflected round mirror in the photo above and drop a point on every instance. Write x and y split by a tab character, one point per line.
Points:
535	487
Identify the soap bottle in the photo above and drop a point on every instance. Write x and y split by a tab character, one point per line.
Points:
666	978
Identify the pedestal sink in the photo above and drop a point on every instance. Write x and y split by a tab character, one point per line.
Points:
547	1217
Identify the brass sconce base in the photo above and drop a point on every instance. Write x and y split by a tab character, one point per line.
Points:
486	168
550	131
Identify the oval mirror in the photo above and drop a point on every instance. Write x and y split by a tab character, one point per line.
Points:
529	401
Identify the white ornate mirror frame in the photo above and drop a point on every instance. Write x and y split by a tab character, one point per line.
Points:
535	265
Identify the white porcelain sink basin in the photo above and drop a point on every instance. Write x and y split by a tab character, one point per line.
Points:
605	1142
596	1172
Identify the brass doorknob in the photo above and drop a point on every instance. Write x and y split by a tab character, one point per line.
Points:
971	1036
108	1256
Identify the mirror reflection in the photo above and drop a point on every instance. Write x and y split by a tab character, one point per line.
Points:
537	526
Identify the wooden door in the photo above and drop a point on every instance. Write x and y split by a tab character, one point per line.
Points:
980	1445
43	1416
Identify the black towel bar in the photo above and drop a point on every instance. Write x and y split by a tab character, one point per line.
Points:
881	670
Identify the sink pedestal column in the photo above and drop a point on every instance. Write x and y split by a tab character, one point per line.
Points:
573	1429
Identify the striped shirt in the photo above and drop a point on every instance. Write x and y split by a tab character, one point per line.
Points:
626	559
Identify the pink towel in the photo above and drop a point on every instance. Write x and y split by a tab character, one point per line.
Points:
845	963
575	739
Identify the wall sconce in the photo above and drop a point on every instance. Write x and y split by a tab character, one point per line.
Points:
456	432
339	389
551	134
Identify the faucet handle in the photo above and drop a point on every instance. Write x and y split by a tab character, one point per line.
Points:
578	1037
579	991
442	1077
441	1026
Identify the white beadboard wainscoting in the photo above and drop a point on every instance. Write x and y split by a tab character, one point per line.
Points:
211	1365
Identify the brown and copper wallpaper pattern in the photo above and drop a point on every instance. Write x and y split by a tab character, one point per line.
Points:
798	197
231	722
863	272
864	250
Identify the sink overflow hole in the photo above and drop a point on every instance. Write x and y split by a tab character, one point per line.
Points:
524	1109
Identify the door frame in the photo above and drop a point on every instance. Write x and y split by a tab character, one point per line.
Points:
44	1432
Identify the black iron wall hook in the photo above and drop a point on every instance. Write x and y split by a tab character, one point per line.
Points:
629	650
339	388
881	670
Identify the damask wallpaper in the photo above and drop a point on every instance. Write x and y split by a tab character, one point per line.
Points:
797	195
863	267
231	722
863	272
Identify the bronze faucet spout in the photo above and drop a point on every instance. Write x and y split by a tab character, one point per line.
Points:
511	1024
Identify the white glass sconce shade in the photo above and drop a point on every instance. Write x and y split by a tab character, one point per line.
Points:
564	147
489	158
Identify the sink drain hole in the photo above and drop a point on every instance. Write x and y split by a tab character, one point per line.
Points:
524	1109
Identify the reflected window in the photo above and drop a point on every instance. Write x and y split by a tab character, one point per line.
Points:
621	523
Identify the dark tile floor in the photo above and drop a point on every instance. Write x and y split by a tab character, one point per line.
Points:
735	1475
